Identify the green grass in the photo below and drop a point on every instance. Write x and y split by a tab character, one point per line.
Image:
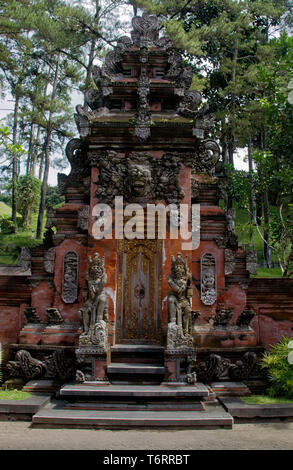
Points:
265	400
13	395
243	230
4	209
11	243
270	273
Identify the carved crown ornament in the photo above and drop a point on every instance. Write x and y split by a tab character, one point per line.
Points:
76	153
145	36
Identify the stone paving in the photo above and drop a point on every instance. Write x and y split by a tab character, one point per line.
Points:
273	436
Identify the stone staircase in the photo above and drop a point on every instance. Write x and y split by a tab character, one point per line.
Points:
135	364
136	397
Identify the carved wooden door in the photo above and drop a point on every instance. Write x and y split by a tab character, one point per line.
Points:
139	292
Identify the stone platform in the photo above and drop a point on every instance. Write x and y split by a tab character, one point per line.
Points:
94	404
96	390
56	415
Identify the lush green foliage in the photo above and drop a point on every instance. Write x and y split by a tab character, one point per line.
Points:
28	195
280	371
53	197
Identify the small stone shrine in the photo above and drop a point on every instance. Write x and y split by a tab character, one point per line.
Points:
122	310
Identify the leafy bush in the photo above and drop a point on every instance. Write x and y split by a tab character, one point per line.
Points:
280	371
6	224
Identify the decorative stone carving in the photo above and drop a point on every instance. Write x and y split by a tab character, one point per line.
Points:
195	189
222	242
244	284
79	377
31	315
139	178
76	153
251	262
60	365
208	279
26	366
70	277
176	339
83	127
25	259
95	310
243	369
245	318
222	317
191	376
179	304
145	30
230	216
83	218
49	260
212	369
143	117
175	68
190	103
230	262
207	157
54	317
51	217
195	314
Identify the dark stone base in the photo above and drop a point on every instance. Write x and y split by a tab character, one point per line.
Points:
93	363
230	389
240	410
176	363
22	410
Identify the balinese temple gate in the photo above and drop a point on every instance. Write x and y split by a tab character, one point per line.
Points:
138	312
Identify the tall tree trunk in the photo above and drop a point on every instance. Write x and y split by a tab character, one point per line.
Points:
14	163
252	200
35	152
231	143
91	56
266	212
44	184
267	248
47	154
30	149
41	168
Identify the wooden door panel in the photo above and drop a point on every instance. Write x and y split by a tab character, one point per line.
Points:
139	292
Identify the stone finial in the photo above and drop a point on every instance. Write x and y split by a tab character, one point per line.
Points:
145	30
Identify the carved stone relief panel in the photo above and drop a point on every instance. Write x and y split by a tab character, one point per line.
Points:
230	262
208	279
49	260
251	262
83	218
139	178
70	277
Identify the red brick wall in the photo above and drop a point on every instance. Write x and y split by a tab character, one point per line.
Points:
272	300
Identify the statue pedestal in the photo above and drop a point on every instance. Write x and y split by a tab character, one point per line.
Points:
176	364
93	362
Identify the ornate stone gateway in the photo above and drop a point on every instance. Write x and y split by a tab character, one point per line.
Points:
139	292
145	309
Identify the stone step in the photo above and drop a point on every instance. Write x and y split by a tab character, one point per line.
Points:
97	391
137	405
137	348
55	414
135	368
